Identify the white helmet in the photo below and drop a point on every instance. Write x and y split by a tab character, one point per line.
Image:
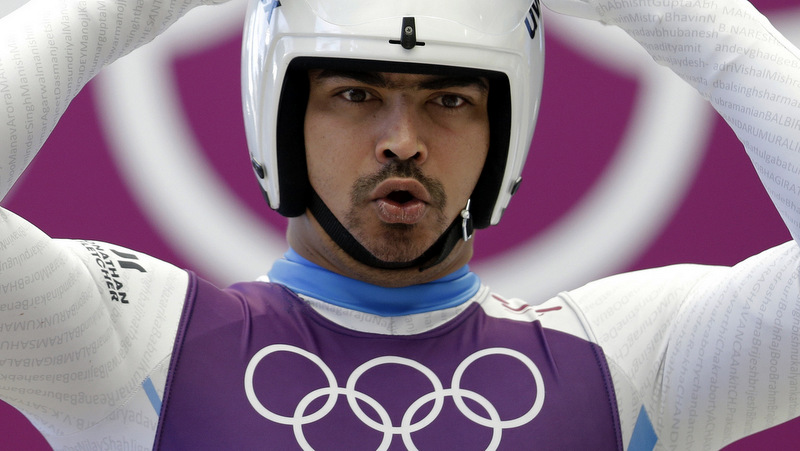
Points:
499	39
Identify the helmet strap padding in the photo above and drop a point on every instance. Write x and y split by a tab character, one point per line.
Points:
294	187
487	189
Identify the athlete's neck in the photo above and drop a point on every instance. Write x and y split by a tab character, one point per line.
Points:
307	237
309	279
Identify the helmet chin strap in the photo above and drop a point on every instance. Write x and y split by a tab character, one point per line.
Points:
461	228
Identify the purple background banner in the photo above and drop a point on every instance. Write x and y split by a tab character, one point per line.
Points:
79	187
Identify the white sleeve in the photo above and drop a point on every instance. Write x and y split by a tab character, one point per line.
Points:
51	49
86	329
710	354
736	59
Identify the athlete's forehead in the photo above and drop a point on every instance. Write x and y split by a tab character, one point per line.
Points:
393	80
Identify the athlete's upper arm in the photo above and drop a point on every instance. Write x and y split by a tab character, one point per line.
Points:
710	352
731	364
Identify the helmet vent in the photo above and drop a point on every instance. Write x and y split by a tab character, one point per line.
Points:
408	35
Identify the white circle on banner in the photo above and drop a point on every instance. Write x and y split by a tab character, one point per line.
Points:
649	174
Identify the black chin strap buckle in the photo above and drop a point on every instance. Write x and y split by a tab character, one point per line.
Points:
466	222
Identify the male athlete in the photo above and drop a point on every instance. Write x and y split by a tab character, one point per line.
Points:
388	132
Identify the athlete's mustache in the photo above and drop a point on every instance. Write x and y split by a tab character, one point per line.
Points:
364	185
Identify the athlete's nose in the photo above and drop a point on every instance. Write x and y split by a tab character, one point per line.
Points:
401	138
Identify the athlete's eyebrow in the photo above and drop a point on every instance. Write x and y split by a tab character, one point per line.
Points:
438	83
370	78
378	80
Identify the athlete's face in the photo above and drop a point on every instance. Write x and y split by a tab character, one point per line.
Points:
395	156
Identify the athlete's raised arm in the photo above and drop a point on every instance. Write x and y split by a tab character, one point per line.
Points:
703	356
86	328
736	59
51	49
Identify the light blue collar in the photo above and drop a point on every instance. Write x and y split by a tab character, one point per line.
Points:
309	279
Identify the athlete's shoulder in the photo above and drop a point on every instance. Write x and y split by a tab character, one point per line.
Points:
122	274
558	313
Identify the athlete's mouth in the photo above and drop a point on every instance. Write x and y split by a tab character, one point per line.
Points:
401	201
401	191
400	197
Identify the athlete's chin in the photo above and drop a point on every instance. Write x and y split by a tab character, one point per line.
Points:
396	245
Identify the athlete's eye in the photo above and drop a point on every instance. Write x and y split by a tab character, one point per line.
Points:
450	101
355	95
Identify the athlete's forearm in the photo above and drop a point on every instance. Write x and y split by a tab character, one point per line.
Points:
736	59
51	49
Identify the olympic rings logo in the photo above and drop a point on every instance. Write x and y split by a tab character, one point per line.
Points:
385	426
